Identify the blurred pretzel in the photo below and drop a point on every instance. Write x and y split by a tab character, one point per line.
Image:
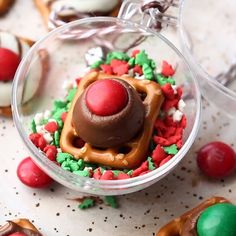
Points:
186	224
5	5
112	156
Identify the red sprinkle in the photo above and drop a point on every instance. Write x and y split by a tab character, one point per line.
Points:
78	80
97	174
166	142
167	104
63	116
135	52
108	175
122	69
142	168
51	126
179	92
138	69
51	152
158	154
165	160
179	144
168	91
38	140
167	69
123	176
31	175
115	63
183	122
107	69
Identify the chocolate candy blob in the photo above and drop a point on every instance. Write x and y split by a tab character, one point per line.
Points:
109	113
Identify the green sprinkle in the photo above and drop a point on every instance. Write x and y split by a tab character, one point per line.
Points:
130	172
58	105
87	203
142	58
171	81
111	201
63	156
68	106
171	149
153	64
65	166
116	172
74	166
33	126
57	113
151	165
148	72
96	64
83	173
43	121
131	62
57	138
71	94
161	79
81	164
117	55
60	123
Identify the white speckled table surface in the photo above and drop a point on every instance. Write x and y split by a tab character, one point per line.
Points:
55	213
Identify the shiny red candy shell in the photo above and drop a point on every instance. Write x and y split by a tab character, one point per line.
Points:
9	62
31	175
17	234
216	159
106	97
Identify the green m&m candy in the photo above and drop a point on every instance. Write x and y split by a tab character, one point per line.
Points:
217	220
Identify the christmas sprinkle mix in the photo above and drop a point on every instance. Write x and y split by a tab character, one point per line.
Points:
168	130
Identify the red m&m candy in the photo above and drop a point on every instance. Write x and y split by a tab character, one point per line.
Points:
216	159
106	97
31	175
17	234
9	62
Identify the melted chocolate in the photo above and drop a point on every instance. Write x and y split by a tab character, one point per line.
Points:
12	227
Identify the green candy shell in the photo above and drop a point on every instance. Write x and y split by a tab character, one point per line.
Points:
217	220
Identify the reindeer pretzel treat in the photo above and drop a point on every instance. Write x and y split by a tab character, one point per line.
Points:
122	119
19	227
12	50
5	5
215	216
57	12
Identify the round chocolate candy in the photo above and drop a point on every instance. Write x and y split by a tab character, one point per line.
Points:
9	62
219	219
31	175
109	113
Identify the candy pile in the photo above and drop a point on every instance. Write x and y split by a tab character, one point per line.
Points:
167	135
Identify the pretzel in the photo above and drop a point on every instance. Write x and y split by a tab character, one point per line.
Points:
138	145
20	46
20	226
47	7
186	224
5	5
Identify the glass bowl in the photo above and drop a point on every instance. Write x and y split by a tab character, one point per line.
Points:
208	44
66	47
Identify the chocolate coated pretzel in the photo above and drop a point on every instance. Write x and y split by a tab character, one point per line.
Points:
137	147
